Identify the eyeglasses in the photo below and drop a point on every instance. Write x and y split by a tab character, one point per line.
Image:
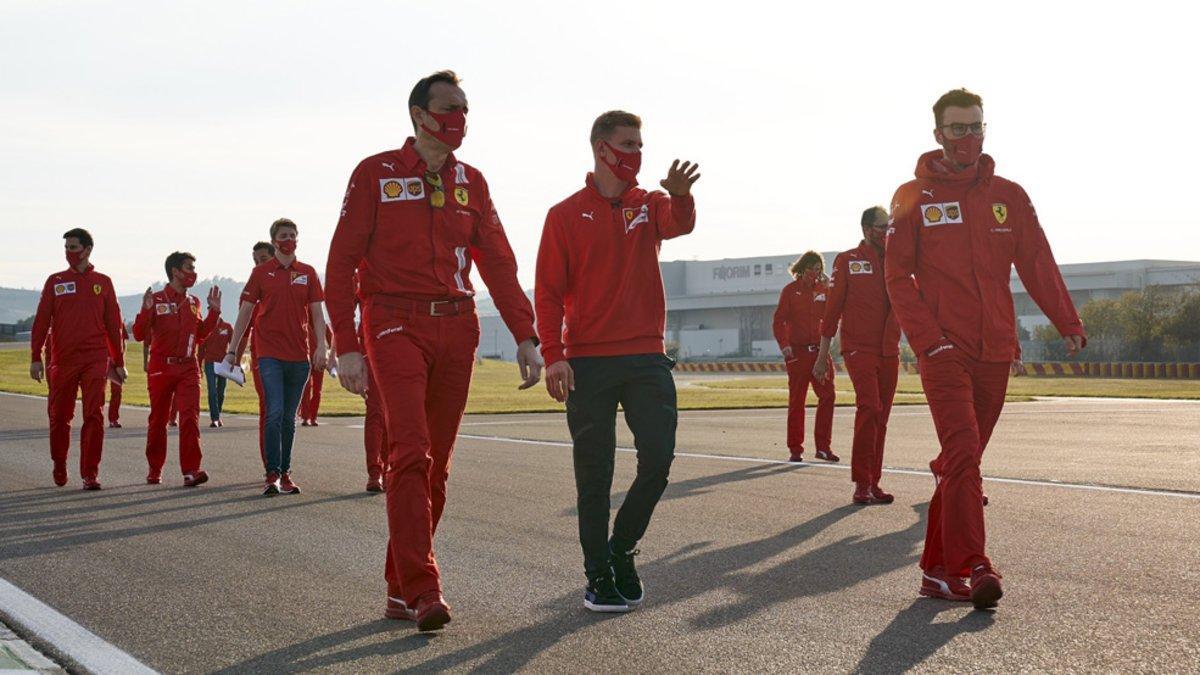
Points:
438	199
960	130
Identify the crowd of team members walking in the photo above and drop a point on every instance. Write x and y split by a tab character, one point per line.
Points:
403	333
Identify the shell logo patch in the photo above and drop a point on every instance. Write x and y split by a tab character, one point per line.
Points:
861	267
65	288
635	217
392	189
401	189
461	196
941	214
1000	210
162	308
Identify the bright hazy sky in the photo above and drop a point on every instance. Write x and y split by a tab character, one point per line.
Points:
172	125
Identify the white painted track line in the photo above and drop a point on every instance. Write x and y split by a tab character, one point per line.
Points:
65	637
846	467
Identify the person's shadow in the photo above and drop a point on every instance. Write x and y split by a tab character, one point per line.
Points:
914	636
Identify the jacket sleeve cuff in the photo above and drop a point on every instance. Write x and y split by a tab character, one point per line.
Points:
35	356
346	341
552	354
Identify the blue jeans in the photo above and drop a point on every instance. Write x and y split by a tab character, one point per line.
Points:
216	391
283	384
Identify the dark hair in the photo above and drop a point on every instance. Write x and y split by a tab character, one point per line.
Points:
606	124
955	98
868	216
806	260
84	237
175	261
265	244
282	222
419	96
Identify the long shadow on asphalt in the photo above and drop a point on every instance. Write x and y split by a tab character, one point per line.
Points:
913	636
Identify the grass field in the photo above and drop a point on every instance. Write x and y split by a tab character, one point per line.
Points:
494	389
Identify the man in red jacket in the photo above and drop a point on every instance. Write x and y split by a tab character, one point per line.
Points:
956	233
413	220
114	399
858	300
601	317
171	318
79	306
797	328
212	352
310	400
263	251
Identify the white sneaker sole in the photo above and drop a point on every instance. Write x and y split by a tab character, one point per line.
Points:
607	609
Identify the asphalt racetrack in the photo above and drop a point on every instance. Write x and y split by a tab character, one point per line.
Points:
751	564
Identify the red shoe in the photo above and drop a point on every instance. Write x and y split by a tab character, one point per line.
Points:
862	493
220	423
828	456
272	484
985	500
173	424
194	479
375	483
935	584
91	484
313	422
796	456
985	586
303	423
397	609
286	486
114	425
881	497
432	612
154	478
60	473
213	424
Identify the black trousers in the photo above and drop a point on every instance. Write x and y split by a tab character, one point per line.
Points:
643	386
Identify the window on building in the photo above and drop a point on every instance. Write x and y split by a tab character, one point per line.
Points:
758	270
769	268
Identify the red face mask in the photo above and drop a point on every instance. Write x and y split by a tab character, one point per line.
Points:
286	246
187	279
74	258
965	150
627	166
453	127
809	275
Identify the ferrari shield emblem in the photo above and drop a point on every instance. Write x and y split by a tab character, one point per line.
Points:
1001	212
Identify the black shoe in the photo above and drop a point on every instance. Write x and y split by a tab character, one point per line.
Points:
627	582
602	595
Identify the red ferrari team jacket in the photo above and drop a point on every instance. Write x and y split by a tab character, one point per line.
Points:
858	299
798	317
403	244
216	345
82	312
283	297
173	325
952	243
599	290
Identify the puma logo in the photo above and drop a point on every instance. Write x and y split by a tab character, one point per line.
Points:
590	215
927	192
392	167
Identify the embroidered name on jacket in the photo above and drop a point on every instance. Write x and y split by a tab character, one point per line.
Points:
941	214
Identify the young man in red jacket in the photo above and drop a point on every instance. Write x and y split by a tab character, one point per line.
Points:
310	400
263	251
212	352
79	307
413	220
115	390
601	317
797	328
857	300
283	297
171	318
956	233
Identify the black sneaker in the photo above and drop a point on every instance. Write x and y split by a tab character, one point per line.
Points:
627	582
602	595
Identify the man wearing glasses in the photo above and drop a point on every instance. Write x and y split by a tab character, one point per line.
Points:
956	232
858	301
412	222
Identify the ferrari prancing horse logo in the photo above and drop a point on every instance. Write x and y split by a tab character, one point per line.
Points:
1000	211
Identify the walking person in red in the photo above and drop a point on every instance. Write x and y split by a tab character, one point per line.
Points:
857	300
957	231
374	425
263	251
171	319
310	400
287	295
212	352
413	221
797	327
602	316
79	307
114	398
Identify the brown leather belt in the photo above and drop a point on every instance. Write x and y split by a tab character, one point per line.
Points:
450	307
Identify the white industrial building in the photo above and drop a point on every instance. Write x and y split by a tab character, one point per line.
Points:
723	308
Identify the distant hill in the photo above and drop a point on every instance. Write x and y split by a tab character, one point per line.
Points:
19	303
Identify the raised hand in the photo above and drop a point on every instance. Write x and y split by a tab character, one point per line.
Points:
679	179
148	298
214	299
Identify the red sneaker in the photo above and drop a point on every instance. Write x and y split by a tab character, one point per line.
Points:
397	609
114	425
985	586
432	612
375	483
286	486
862	493
60	473
880	496
313	422
153	478
985	500
272	484
828	456
194	479
935	584
303	423
796	456
91	484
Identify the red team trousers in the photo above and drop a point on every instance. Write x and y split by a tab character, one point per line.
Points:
965	399
422	365
874	379
374	430
310	400
800	376
181	382
66	379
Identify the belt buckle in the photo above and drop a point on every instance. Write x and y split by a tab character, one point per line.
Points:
433	307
